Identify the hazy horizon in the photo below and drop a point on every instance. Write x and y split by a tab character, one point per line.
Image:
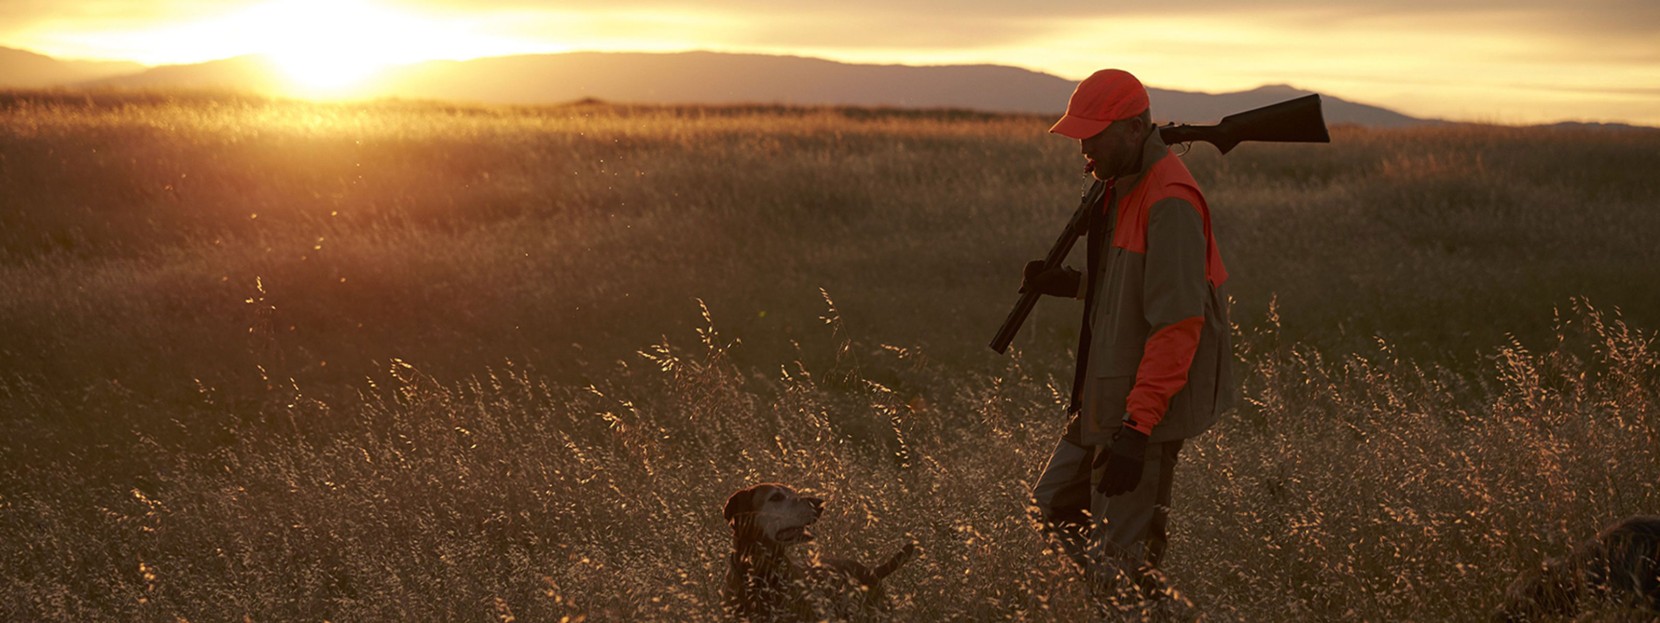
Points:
1500	62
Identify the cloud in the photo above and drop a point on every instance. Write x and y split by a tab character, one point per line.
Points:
1612	31
1583	16
893	31
25	14
937	24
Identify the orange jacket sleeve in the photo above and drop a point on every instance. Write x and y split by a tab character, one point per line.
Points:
1173	298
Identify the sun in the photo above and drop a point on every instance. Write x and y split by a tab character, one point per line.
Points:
328	47
322	70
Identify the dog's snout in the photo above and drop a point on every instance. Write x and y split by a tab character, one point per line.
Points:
818	506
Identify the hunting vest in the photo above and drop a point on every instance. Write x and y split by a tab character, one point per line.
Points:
1154	350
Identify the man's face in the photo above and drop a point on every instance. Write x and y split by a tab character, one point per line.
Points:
1116	149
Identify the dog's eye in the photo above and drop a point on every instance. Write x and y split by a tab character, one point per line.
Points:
776	497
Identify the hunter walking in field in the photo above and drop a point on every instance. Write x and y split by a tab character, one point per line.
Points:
1153	363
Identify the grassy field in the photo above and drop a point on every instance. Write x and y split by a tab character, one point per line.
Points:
409	361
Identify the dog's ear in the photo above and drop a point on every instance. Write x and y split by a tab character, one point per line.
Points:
740	502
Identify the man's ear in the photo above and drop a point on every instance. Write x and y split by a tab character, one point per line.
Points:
1141	124
1132	126
740	502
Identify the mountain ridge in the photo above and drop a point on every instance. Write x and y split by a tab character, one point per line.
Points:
707	77
30	70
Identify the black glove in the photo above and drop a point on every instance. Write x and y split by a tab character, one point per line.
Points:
1057	281
1123	461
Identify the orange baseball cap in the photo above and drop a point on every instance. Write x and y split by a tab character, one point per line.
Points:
1102	98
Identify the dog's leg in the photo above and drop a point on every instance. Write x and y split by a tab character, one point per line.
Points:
901	557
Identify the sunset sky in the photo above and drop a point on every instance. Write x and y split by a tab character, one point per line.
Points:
1509	61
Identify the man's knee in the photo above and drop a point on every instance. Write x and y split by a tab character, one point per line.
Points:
1062	492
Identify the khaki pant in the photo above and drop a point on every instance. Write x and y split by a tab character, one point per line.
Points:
1118	542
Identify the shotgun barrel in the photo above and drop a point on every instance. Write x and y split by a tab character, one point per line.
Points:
1075	228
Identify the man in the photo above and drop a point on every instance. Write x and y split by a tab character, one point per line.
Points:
1154	365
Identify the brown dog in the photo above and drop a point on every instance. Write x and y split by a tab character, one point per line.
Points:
1619	567
763	584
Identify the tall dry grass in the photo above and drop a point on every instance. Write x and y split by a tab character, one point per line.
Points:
405	361
1364	487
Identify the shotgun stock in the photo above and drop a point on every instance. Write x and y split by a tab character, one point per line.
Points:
1292	121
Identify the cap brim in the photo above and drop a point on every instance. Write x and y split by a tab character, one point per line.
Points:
1078	127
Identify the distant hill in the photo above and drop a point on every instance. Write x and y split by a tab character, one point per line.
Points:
243	73
717	78
22	69
721	78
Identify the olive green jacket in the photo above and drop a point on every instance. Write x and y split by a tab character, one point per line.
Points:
1158	351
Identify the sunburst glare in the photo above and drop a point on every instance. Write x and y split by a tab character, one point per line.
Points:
328	47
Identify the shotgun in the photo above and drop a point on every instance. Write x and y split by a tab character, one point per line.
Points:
1292	121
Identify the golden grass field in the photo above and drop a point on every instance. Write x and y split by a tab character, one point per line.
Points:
402	361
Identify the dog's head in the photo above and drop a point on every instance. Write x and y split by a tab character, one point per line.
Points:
772	513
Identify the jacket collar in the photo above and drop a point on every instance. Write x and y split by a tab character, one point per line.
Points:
1152	150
